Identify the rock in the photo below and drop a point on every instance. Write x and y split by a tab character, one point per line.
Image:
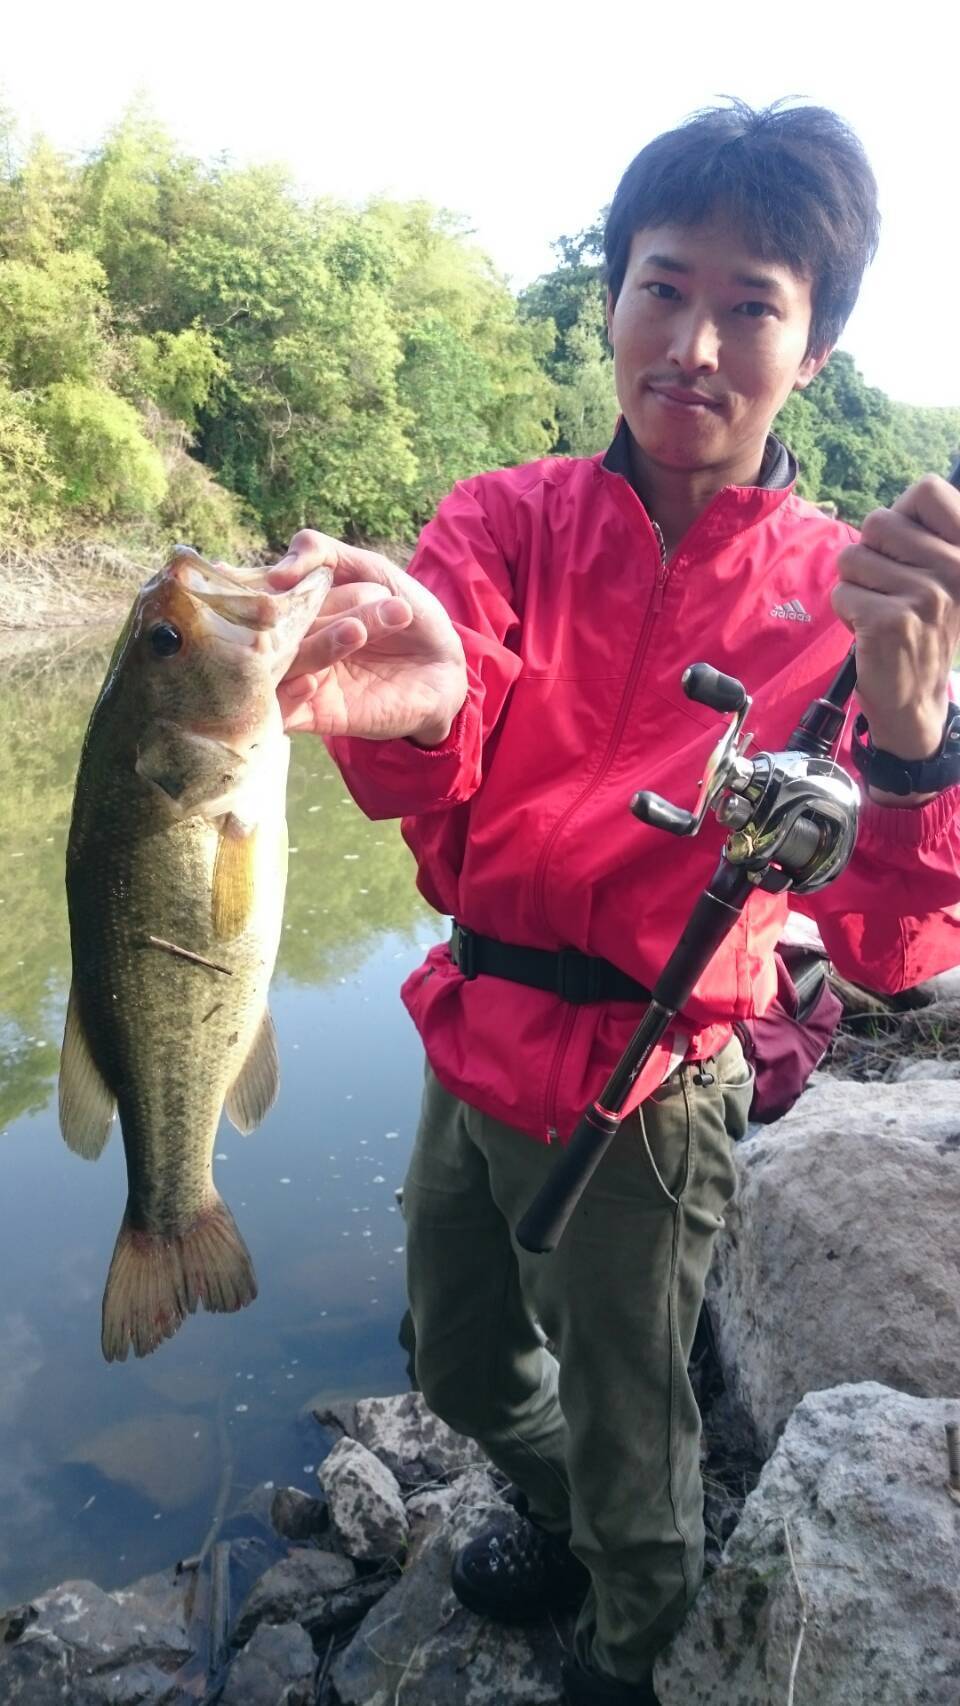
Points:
293	1591
405	1434
839	1262
347	1606
857	1481
366	1508
920	1071
444	1654
277	1667
339	1417
297	1516
432	1507
97	1649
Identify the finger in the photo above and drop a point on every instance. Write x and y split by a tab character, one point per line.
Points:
934	504
345	600
930	589
307	550
311	550
330	642
895	534
298	717
878	615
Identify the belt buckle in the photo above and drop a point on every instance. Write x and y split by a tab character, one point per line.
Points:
466	952
576	980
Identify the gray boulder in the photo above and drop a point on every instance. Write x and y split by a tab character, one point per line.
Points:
857	1483
840	1260
421	1647
297	1516
405	1434
366	1508
92	1648
297	1590
924	1070
277	1667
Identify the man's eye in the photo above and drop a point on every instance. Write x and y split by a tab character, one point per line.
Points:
753	310
662	292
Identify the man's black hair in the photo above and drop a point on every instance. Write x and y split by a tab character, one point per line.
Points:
794	181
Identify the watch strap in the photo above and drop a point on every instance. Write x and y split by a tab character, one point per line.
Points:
893	775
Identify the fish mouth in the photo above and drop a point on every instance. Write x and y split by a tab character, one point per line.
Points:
243	597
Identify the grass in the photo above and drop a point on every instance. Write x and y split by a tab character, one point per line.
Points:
67	586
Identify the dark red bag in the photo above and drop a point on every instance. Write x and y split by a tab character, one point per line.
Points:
787	1042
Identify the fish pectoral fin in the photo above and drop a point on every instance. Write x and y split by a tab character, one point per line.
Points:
254	1090
233	874
87	1105
195	773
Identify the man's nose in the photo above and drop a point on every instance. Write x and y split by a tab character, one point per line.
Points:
695	344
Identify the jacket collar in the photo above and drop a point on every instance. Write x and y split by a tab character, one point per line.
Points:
734	508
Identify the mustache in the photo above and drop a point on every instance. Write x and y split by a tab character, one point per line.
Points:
670	382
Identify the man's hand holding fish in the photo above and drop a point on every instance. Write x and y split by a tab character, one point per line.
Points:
382	660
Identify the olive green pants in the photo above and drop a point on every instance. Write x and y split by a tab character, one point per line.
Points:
604	1439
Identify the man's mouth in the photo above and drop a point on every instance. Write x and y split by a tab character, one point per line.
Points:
678	397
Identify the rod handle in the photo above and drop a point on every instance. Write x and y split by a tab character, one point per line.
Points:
541	1228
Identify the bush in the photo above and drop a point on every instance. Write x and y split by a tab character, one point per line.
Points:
106	466
29	488
202	514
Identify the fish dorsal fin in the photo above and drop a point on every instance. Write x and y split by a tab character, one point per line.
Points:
87	1105
233	874
254	1090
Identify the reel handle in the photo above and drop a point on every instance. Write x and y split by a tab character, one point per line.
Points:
709	686
662	814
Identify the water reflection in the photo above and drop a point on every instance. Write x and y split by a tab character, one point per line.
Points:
108	1472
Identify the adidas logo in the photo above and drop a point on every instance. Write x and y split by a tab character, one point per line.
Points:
791	610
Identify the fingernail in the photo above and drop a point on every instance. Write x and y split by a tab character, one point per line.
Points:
392	615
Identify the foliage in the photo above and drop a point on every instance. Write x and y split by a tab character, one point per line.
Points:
196	347
98	449
29	488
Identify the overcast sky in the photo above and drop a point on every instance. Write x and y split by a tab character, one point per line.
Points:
522	116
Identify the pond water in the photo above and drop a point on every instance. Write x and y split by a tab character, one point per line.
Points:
110	1471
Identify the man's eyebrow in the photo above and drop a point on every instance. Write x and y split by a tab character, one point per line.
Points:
666	263
749	281
757	281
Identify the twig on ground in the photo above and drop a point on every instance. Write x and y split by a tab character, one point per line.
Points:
803	1615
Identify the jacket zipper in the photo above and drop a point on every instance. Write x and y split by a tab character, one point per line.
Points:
656	604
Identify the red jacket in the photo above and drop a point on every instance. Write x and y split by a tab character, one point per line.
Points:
576	637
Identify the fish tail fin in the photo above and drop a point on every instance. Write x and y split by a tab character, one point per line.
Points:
156	1281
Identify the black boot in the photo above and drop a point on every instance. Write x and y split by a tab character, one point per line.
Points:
589	1688
515	1571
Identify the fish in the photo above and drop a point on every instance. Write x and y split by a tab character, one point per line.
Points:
175	876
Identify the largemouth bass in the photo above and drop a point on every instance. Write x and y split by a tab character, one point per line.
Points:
176	871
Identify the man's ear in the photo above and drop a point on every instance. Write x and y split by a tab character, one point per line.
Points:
610	308
810	367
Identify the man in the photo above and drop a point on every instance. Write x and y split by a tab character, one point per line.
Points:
507	696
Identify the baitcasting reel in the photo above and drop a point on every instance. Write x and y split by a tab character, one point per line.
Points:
792	814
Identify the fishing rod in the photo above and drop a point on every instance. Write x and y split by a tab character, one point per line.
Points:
793	818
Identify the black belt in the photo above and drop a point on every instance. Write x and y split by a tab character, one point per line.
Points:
575	977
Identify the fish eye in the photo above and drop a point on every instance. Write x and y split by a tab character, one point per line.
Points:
165	639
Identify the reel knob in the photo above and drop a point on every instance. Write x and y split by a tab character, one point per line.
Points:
661	814
708	686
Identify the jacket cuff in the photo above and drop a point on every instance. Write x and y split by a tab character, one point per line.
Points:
914	828
452	747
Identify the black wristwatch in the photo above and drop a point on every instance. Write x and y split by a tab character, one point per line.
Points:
895	775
